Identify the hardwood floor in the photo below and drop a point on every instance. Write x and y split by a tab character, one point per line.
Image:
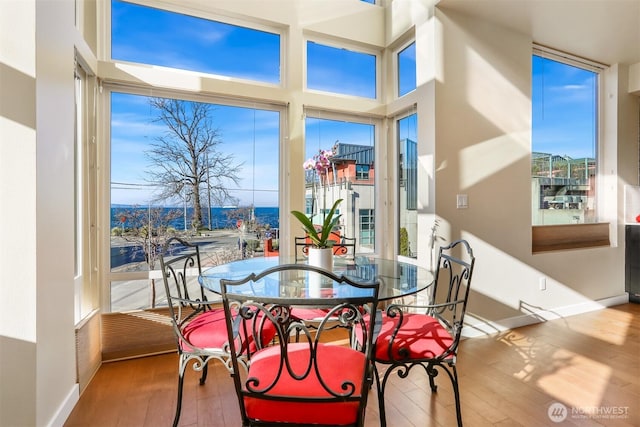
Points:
590	363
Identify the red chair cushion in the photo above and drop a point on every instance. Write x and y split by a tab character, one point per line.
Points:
421	335
308	313
335	364
208	330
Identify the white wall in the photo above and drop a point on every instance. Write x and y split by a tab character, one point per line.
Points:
483	140
18	337
36	219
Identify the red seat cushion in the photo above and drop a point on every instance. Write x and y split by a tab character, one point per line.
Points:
421	335
208	330
336	364
300	313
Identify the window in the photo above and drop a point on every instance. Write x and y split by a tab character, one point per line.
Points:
362	172
160	37
228	203
407	69
564	140
340	70
349	174
407	129
367	227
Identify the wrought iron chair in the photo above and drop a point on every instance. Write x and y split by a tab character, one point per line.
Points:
344	247
322	379
199	329
428	335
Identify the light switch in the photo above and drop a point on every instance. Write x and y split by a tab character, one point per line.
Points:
462	201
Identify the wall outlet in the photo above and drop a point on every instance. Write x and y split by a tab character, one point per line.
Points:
542	283
462	201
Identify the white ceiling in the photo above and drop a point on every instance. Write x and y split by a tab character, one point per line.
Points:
606	31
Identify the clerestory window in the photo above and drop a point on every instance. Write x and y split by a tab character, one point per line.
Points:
161	37
331	69
406	62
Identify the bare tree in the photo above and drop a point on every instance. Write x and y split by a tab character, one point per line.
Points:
187	159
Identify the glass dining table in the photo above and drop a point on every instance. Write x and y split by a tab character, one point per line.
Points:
397	279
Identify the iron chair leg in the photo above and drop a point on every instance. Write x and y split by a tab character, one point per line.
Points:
380	387
452	372
179	403
205	370
456	393
432	373
182	368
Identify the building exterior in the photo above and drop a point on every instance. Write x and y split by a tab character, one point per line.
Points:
562	189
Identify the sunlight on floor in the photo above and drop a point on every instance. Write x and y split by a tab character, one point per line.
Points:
575	372
572	386
613	332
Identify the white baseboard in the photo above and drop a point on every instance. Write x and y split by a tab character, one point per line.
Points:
484	328
66	407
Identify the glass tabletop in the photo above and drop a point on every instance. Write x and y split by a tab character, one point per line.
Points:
397	279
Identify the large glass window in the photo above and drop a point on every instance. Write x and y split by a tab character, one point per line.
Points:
159	37
191	169
407	128
340	70
564	140
349	149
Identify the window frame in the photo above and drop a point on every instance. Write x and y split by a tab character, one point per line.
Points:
547	238
108	89
86	283
323	114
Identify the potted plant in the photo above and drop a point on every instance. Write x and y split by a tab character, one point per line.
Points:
320	251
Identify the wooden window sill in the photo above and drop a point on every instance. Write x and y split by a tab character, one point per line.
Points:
546	238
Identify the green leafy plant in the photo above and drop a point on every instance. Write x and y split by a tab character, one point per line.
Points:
319	235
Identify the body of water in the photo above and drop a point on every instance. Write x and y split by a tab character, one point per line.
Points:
221	218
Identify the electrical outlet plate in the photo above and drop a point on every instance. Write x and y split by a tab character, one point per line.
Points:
542	283
462	201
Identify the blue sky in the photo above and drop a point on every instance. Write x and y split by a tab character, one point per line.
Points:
562	120
561	123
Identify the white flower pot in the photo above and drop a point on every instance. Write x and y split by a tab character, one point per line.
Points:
323	258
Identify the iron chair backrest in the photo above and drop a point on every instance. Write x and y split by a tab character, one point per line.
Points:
344	247
428	335
181	267
317	364
452	280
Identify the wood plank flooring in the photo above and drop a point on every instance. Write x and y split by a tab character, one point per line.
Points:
590	363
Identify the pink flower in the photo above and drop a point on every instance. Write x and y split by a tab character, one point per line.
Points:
309	164
320	162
